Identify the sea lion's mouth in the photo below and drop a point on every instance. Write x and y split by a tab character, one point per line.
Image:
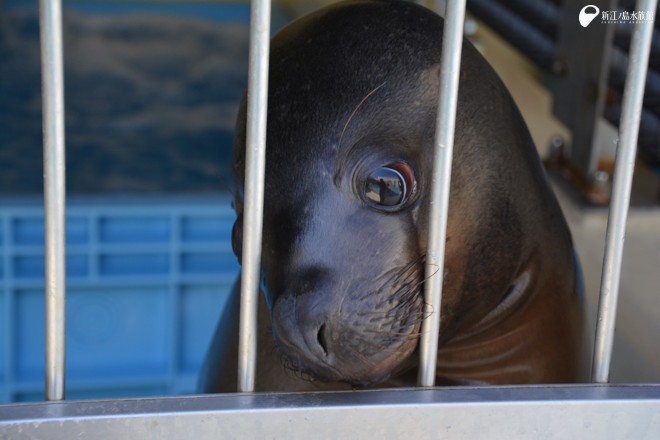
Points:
361	339
358	371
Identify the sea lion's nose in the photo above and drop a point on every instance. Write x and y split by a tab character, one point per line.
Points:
304	315
321	338
307	320
312	335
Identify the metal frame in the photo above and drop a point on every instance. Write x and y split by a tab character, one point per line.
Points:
595	411
584	412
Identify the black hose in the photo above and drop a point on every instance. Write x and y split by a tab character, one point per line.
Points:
617	78
525	37
543	15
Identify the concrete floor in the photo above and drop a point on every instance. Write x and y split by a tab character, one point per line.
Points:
636	355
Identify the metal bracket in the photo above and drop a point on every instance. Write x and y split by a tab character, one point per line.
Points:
582	68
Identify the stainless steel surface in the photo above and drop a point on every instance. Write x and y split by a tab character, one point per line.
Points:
580	412
444	144
633	97
50	21
255	166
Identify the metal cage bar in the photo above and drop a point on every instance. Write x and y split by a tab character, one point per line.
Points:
255	170
444	143
633	97
50	18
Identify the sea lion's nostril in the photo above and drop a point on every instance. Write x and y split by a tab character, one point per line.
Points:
321	338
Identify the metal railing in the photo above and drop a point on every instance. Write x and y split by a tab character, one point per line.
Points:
450	64
429	411
255	170
631	113
52	73
50	12
511	413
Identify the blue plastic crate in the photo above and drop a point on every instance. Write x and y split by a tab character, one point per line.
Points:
147	280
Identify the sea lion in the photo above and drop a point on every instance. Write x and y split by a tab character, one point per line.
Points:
351	120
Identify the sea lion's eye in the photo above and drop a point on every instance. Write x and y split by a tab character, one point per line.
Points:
389	186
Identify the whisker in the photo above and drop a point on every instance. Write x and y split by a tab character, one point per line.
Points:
411	270
355	111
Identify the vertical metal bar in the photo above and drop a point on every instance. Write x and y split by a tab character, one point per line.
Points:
255	169
633	96
50	21
444	143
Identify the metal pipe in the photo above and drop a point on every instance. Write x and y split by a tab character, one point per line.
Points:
50	22
444	143
633	96
255	170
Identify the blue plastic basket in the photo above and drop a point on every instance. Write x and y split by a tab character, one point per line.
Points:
147	280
